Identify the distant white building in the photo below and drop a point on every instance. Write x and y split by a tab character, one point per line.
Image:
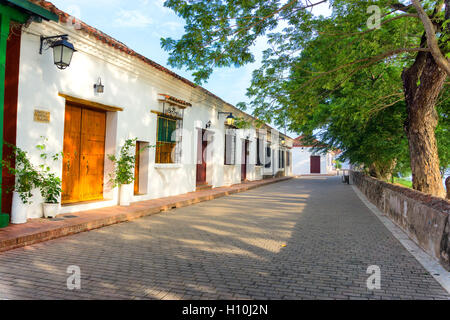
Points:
306	161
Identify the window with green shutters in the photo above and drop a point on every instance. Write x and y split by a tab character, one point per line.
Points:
168	149
166	128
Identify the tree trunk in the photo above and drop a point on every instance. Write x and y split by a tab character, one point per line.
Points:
382	171
423	82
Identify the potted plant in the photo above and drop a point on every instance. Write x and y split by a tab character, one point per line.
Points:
49	184
123	174
26	179
50	187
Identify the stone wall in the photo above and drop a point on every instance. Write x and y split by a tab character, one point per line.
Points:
423	217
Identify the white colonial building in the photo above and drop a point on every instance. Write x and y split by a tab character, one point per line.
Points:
108	94
306	161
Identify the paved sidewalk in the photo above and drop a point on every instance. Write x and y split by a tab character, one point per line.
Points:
39	230
307	238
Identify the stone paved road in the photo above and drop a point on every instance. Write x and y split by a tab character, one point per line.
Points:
309	238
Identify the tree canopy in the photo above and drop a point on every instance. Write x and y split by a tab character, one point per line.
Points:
367	84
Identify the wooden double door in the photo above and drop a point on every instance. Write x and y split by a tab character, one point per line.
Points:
84	154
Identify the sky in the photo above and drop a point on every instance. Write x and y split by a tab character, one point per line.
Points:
140	24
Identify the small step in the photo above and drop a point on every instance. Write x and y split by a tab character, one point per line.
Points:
203	187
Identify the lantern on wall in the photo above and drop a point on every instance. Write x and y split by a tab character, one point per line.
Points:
230	119
62	50
99	87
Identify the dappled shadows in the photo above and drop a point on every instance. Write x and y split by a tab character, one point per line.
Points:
304	238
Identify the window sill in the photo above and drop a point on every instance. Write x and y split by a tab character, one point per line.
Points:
168	166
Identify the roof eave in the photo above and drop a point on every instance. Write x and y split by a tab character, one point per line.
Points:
33	9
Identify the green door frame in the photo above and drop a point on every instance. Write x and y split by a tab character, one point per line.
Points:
18	11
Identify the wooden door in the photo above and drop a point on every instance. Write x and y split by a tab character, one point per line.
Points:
84	154
202	144
136	167
71	159
244	160
315	164
92	162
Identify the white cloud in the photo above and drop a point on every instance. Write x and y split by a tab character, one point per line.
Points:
173	25
132	18
160	5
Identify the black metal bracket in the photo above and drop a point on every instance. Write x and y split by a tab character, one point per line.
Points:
229	113
50	40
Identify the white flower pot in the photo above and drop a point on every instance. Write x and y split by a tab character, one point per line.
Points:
19	210
126	192
50	209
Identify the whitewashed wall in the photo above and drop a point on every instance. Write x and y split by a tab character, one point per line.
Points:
301	161
134	86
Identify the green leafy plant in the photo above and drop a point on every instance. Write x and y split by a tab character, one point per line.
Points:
123	173
50	187
48	183
241	123
27	176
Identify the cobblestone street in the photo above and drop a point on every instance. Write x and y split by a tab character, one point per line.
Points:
307	238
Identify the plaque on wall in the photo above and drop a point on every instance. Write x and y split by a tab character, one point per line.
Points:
41	116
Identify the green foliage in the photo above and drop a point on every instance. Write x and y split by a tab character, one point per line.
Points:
50	187
443	132
403	182
29	176
241	123
124	163
331	76
48	183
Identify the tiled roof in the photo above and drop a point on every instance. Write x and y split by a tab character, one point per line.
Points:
64	18
170	98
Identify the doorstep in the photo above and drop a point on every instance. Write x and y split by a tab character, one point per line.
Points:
39	230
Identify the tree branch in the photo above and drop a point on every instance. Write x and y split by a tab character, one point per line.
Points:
404	15
432	41
370	59
400	7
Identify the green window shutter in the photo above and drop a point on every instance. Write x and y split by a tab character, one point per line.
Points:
166	129
160	129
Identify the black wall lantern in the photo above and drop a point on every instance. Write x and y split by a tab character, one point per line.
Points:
62	49
99	87
208	125
230	119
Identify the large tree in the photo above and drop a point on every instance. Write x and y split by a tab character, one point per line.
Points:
310	58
